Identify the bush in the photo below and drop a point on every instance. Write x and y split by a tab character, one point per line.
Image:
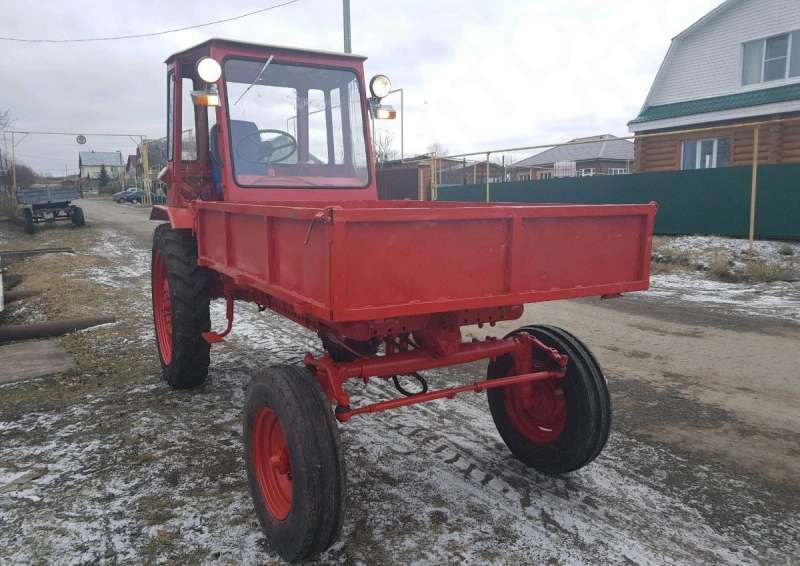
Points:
720	268
764	271
786	250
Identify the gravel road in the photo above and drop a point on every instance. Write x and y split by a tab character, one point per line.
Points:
109	465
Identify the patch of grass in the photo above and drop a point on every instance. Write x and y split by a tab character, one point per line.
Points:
720	268
666	260
158	546
763	271
786	250
156	510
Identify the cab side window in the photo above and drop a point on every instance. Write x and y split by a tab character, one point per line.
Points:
170	112
188	123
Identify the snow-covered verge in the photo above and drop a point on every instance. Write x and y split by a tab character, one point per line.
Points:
722	274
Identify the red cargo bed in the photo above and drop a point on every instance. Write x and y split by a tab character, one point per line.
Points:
375	260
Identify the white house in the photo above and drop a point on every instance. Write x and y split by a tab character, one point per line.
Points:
739	64
91	163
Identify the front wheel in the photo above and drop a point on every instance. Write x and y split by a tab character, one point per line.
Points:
294	467
180	308
77	217
554	426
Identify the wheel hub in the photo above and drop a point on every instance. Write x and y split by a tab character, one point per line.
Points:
272	465
537	410
162	308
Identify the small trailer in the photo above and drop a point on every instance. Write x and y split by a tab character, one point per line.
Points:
273	201
48	204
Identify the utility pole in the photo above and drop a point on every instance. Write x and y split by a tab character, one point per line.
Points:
402	117
146	186
13	169
346	18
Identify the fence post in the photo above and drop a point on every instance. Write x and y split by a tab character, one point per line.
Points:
753	189
487	178
433	178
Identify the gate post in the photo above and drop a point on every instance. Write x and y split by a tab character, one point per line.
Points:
487	177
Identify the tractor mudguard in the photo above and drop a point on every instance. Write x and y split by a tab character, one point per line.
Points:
178	217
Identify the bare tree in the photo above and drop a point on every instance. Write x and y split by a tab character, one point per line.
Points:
5	119
384	145
437	149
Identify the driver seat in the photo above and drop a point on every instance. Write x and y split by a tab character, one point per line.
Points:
240	130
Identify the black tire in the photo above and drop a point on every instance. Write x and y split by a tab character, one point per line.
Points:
77	217
27	221
315	513
187	364
588	408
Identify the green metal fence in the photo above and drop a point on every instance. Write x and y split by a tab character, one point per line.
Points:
709	201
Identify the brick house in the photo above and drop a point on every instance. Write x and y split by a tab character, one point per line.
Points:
739	64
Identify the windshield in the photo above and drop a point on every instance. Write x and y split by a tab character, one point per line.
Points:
295	126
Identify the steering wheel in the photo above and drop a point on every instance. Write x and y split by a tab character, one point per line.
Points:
264	150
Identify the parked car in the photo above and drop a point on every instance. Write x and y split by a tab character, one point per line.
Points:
118	197
136	197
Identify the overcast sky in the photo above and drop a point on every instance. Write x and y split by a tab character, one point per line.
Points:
476	74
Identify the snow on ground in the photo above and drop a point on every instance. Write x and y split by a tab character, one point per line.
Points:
125	260
146	472
694	282
775	300
762	249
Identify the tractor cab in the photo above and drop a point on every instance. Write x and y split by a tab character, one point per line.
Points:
253	123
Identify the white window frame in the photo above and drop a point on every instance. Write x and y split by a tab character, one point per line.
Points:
586	172
525	177
698	151
789	41
617	171
544	175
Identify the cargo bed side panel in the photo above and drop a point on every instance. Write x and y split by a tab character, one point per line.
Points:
408	267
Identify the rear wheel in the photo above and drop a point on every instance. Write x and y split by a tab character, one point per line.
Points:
27	220
77	217
180	308
554	426
294	467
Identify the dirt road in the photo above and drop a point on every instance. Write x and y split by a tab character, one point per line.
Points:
701	465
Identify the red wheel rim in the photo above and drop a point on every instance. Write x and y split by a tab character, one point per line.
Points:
272	466
162	308
537	410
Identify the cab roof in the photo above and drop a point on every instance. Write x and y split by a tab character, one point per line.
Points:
261	46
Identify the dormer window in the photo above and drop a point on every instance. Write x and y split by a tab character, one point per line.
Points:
771	59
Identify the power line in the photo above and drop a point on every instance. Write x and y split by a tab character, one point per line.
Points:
151	34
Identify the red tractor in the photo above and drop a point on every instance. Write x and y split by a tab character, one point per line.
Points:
272	200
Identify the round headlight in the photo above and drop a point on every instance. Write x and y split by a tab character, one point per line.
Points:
380	85
209	69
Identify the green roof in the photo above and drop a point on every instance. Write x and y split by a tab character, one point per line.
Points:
717	103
